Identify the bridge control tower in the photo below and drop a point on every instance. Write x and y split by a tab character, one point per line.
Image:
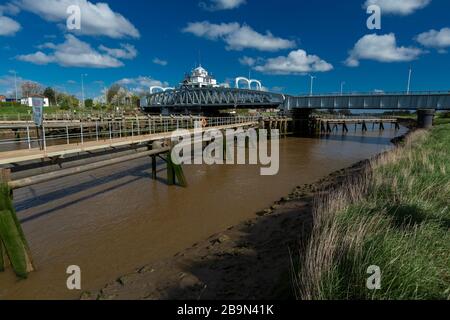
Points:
200	78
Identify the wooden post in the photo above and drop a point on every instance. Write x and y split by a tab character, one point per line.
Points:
179	174
12	238
170	170
364	126
344	127
175	172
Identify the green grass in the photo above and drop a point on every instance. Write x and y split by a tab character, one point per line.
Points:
397	217
11	111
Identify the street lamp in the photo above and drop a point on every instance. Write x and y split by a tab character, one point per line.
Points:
312	84
103	90
408	90
15	82
82	88
342	87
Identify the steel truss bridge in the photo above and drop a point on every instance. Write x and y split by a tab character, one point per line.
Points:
213	98
186	98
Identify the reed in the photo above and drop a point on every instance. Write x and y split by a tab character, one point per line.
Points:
394	215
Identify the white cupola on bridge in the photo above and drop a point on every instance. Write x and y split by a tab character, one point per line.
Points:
199	78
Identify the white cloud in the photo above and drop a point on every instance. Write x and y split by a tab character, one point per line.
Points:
37	58
8	26
127	51
297	62
435	39
76	53
247	61
141	83
399	7
9	9
96	19
160	62
7	84
381	48
215	5
238	37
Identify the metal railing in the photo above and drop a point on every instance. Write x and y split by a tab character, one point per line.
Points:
373	93
30	136
67	116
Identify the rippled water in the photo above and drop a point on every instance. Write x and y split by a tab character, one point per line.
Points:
113	220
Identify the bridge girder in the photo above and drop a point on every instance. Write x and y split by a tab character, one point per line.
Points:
186	97
395	101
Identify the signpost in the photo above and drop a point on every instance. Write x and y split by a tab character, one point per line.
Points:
38	117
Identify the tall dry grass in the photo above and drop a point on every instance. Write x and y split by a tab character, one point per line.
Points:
395	215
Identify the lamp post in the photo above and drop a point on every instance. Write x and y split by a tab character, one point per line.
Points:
342	87
15	82
312	84
408	90
82	88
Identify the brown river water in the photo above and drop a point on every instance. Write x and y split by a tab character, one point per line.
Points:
114	220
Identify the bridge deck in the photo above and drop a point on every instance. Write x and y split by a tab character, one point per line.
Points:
17	156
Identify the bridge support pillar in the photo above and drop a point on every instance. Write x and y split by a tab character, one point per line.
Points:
425	118
302	122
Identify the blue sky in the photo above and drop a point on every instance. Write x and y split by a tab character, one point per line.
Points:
142	43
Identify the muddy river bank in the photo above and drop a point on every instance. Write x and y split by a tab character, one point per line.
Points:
114	220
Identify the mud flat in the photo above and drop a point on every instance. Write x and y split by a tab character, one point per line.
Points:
113	220
249	261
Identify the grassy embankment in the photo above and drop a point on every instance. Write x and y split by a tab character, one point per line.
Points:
13	111
396	216
16	110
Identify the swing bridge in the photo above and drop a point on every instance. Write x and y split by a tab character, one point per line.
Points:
210	99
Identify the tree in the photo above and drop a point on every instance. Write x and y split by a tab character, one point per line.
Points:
89	103
51	95
112	92
68	102
30	88
136	100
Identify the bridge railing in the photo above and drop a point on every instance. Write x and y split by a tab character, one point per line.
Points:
372	93
29	136
68	116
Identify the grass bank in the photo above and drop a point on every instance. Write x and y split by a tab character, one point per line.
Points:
394	215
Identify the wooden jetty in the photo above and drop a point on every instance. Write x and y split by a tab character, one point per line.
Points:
330	124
